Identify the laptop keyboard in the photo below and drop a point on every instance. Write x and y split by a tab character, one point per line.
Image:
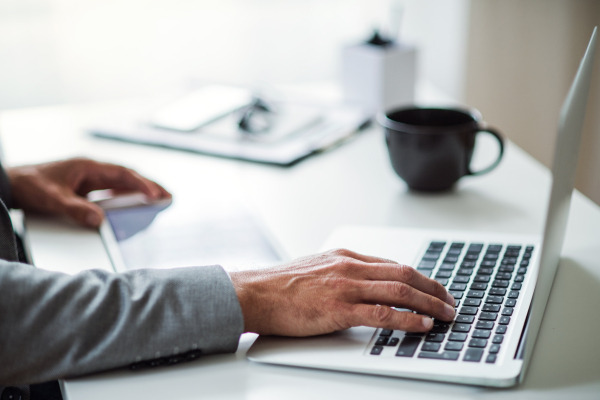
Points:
485	282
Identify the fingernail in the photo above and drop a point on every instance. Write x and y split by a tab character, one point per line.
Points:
427	323
92	220
450	300
449	311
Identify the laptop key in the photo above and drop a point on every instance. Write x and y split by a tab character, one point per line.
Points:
454	346
488	263
472	256
519	278
507	311
426	265
522	271
447	266
431	256
465	319
468	310
455	251
494	299
510	303
475	247
490	359
382	341
376	350
457	337
429	346
408	346
497	292
509	261
479	286
496	248
443	274
524	263
480	343
451	259
458	286
435	337
468	264
513	294
481	278
461	279
440	328
498	339
500	283
529	249
477	294
386	332
465	271
393	341
506	268
514	247
503	276
485	271
504	320
484	325
426	272
490	308
461	328
473	355
481	334
495	349
456	295
490	256
442	281
447	355
501	329
457	245
488	316
441	244
472	302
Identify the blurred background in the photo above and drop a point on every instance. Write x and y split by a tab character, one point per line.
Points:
512	59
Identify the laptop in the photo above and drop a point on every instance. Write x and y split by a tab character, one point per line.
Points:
501	284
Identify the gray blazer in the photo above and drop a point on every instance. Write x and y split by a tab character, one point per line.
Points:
54	325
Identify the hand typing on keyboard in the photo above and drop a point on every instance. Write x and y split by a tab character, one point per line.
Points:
336	290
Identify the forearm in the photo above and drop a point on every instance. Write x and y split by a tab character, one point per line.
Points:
55	325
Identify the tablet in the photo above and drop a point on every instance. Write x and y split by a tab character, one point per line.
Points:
169	234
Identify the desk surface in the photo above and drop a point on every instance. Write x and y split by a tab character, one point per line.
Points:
353	184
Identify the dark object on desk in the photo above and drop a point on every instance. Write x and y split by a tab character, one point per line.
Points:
431	148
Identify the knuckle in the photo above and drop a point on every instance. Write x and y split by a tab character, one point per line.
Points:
340	252
383	315
402	290
406	273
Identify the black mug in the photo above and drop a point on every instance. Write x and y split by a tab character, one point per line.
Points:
431	148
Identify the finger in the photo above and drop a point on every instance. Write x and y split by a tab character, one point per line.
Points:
361	257
398	294
385	317
111	176
410	276
82	211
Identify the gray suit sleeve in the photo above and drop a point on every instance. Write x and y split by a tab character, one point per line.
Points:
54	325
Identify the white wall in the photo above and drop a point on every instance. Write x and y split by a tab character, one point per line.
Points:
55	51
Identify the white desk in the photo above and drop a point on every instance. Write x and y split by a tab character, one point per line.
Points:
353	184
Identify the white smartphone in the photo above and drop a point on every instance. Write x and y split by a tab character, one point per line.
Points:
201	107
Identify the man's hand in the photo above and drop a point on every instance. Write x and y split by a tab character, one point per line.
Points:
337	290
60	187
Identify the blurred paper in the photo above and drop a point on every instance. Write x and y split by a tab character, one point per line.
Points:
300	131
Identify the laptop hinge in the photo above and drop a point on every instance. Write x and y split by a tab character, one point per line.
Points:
520	353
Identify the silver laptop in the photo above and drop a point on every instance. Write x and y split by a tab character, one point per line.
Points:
501	284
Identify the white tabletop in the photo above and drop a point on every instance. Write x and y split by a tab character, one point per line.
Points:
301	205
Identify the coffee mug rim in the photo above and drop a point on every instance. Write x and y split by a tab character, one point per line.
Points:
389	123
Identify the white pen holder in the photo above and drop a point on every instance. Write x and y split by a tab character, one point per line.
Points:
379	78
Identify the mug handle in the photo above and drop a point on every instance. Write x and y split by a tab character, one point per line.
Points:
498	137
